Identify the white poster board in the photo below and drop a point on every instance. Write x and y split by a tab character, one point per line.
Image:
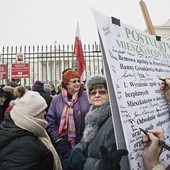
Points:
134	61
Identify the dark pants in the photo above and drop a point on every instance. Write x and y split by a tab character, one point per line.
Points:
64	149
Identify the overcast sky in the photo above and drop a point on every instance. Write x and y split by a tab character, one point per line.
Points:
42	22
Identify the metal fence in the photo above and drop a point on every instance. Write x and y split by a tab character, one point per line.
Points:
46	63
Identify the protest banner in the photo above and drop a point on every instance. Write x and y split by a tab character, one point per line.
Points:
134	61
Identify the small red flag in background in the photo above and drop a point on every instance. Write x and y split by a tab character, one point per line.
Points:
78	52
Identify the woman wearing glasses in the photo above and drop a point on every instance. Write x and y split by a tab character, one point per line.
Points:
66	116
97	148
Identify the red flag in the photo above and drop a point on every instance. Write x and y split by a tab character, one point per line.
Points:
78	52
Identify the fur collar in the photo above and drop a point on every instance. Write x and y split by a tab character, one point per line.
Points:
94	120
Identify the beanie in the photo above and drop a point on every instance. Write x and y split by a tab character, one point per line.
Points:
70	74
38	86
93	80
30	104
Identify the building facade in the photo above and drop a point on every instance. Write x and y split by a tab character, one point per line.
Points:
164	30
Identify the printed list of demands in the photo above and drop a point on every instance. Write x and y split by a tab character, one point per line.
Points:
136	61
142	102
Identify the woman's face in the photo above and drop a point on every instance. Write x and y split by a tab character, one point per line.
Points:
73	85
99	96
41	115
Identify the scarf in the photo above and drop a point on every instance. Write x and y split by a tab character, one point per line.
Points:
94	120
67	119
37	127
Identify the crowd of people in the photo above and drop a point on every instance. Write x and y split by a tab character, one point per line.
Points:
69	130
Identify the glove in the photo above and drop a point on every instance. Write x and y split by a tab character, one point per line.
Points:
105	159
77	159
110	161
116	157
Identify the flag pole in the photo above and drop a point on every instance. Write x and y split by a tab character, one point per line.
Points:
147	18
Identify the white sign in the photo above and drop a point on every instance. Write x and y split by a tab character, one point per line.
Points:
134	62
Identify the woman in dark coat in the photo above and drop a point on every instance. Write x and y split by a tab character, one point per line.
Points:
24	142
66	116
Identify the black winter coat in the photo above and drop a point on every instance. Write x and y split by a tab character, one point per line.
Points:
46	97
21	150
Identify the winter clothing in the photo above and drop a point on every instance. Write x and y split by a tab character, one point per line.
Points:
8	93
53	92
93	80
116	157
20	149
11	96
98	131
38	86
67	123
110	161
31	104
78	159
70	74
9	108
2	107
80	107
2	112
37	127
105	162
47	90
46	97
2	93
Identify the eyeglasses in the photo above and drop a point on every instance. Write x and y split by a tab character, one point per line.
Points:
75	81
100	92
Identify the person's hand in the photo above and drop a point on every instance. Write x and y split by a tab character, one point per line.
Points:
77	159
111	161
152	150
165	86
105	159
116	158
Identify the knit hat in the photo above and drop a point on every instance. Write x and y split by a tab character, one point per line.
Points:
2	93
30	104
70	74
38	86
93	80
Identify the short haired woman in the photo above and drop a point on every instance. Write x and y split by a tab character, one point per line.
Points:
66	116
98	137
